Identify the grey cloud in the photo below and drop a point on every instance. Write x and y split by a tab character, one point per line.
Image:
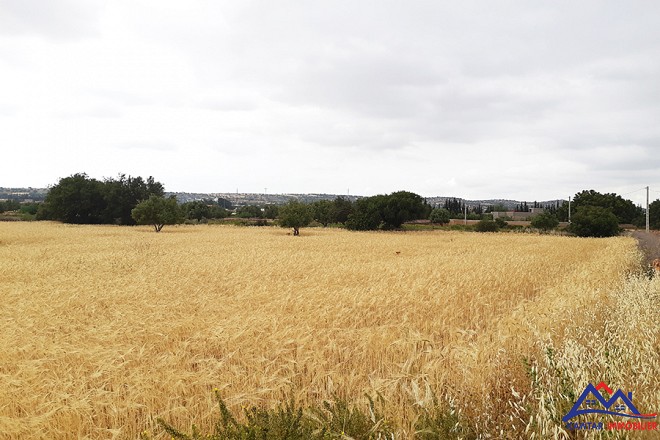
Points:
421	82
621	158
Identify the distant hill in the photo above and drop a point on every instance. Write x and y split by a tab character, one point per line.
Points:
239	199
23	194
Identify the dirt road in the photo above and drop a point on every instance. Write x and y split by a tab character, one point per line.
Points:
649	243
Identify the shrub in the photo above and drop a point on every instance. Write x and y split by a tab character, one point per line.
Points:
545	222
487	226
501	223
440	215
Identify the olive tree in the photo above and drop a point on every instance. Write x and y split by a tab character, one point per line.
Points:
157	211
295	215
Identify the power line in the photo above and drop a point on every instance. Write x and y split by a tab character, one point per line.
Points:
637	190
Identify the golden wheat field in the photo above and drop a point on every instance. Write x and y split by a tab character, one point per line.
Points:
105	328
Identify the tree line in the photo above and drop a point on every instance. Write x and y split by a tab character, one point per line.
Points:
80	199
127	200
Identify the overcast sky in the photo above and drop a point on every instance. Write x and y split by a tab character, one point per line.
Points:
486	99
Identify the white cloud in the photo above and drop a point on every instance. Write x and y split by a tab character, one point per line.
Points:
64	19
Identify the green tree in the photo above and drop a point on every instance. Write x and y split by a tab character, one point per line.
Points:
158	211
224	203
10	205
544	221
341	209
624	210
594	221
124	193
249	211
76	199
196	210
440	215
80	199
367	214
322	211
455	206
654	215
29	208
561	211
216	211
387	211
271	211
498	207
295	215
403	206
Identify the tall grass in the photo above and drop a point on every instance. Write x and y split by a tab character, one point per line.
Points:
105	329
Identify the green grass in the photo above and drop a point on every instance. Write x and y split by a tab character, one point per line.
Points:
336	419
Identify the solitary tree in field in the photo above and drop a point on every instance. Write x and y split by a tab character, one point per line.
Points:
295	215
157	211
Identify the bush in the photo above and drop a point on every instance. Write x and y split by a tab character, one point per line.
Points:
501	223
249	211
29	208
440	215
545	222
487	226
9	205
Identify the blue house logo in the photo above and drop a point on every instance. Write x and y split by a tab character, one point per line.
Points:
592	401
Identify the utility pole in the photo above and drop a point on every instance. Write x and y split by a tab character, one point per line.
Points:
647	209
569	210
465	206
